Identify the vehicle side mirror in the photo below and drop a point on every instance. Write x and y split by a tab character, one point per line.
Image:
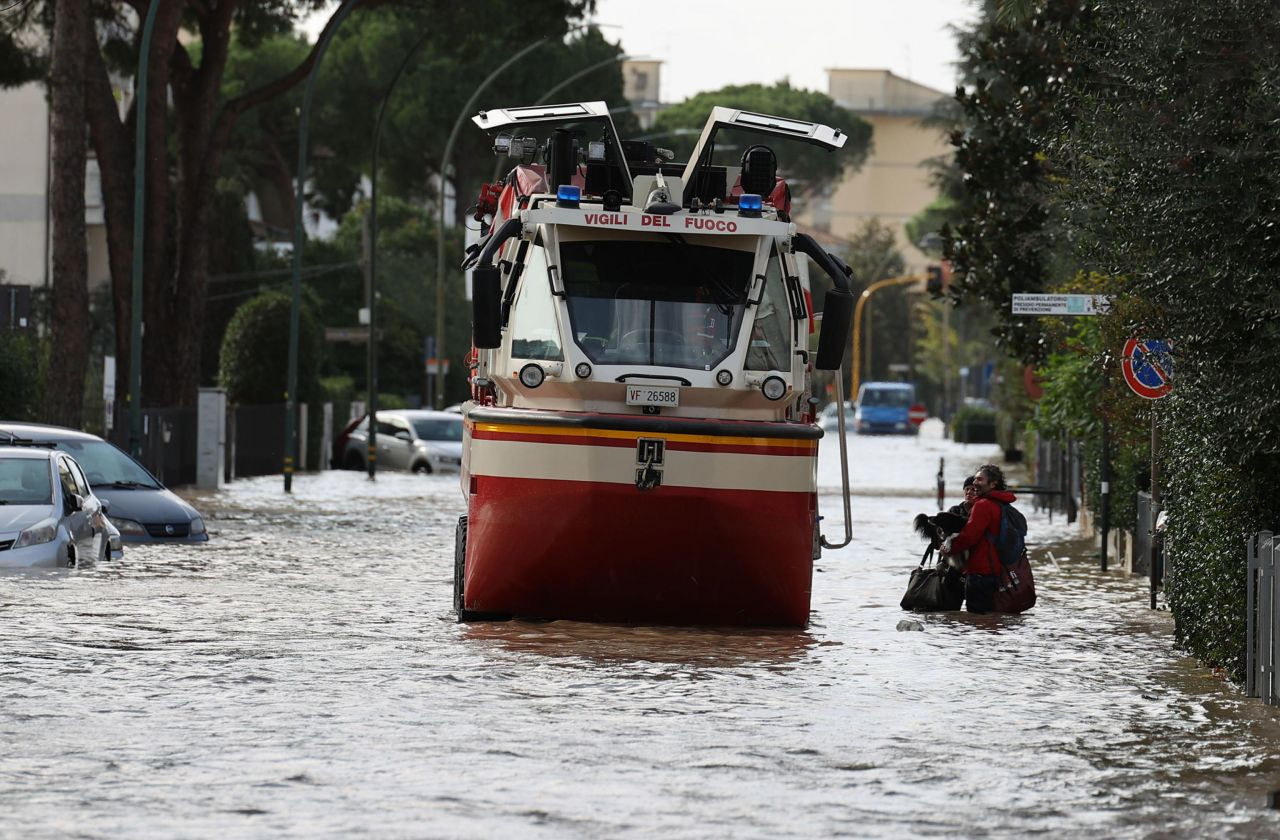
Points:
401	434
486	307
106	506
74	502
837	318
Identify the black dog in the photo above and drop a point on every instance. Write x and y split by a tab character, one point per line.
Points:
935	530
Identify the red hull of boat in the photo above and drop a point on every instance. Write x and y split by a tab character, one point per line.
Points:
597	551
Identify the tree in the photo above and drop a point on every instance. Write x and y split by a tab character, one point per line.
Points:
807	168
872	255
439	80
1008	235
64	390
255	341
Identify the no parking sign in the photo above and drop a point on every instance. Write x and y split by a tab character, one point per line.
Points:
1147	365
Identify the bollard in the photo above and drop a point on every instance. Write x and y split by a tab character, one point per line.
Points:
942	486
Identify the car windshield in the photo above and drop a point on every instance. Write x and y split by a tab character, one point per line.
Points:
655	302
25	481
891	397
438	428
106	466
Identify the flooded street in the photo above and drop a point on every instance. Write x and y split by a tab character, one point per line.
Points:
302	675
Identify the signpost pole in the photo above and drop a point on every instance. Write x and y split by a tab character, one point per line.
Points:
1105	494
1155	499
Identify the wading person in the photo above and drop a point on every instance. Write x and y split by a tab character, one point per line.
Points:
970	496
979	536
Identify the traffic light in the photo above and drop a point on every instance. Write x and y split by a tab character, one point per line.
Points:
933	281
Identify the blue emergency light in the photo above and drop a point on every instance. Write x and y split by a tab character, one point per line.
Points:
568	196
750	204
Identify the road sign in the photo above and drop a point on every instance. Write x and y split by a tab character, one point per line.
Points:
1029	304
352	335
917	414
1147	365
432	366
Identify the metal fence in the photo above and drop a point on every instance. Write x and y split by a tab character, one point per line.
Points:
255	441
1262	603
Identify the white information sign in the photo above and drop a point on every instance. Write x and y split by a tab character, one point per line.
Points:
1029	304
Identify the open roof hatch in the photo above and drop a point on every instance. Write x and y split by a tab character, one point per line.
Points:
815	134
575	113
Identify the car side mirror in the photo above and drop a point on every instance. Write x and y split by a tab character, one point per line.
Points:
401	434
837	318
106	506
74	502
486	307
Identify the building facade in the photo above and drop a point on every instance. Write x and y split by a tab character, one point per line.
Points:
894	184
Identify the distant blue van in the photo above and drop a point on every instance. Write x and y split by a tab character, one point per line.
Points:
881	408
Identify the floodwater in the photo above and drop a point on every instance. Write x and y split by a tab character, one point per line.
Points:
301	675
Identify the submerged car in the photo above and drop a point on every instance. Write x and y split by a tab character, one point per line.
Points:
141	508
420	441
829	419
49	516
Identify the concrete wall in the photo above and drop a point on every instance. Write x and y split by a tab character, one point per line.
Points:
24	157
24	175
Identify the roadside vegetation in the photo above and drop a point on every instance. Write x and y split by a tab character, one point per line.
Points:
1089	159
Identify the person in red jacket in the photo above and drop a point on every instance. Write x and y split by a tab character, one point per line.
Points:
982	574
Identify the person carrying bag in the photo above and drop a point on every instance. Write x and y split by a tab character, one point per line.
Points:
998	575
934	588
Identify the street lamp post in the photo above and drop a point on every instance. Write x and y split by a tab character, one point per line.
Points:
371	460
291	395
444	176
139	216
855	371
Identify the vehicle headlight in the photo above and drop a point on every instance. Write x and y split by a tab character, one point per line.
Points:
38	534
197	526
129	527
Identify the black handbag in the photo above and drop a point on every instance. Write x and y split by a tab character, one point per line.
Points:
933	588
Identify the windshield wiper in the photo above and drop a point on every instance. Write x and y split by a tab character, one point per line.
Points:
125	485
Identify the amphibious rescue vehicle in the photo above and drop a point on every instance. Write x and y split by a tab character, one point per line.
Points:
640	443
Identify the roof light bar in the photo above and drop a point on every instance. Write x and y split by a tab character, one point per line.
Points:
568	196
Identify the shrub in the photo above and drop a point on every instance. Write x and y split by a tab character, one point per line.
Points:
974	424
253	364
20	375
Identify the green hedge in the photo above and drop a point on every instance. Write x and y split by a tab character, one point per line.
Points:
974	424
253	364
21	377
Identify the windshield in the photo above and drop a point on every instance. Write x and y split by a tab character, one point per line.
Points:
889	397
104	465
25	481
654	302
438	429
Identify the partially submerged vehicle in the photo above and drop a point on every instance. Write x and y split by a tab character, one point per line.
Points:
640	445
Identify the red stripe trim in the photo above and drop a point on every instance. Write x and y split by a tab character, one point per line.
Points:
801	449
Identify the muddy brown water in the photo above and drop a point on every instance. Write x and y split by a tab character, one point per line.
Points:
302	675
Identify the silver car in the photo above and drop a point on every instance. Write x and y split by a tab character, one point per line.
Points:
48	514
417	440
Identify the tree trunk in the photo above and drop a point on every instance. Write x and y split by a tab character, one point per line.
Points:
113	146
64	386
175	238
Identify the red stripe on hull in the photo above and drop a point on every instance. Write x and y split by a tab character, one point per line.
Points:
803	449
610	552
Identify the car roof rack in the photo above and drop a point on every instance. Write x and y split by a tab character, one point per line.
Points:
10	439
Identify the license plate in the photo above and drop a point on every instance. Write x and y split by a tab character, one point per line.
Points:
660	395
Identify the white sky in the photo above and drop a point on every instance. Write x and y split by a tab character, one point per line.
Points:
707	44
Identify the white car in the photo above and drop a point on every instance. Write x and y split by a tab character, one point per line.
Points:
417	440
48	514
